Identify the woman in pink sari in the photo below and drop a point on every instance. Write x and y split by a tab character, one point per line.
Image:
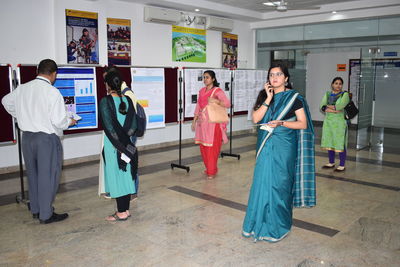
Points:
209	135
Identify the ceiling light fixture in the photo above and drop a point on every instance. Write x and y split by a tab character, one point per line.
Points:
197	10
271	3
334	12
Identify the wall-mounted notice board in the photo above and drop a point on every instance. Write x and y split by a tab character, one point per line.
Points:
170	86
7	132
26	73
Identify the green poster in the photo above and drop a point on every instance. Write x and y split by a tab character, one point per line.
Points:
188	45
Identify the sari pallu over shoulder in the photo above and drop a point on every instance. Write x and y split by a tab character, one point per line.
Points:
304	189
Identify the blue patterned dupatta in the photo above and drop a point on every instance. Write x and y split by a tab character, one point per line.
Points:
284	174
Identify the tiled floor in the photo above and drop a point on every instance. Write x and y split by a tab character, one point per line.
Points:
182	219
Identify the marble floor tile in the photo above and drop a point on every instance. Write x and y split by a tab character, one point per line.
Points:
169	227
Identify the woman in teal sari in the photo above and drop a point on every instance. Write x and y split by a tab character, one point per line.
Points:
284	174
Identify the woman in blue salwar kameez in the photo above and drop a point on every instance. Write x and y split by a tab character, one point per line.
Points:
284	173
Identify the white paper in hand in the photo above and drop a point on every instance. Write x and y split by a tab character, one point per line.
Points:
74	116
125	158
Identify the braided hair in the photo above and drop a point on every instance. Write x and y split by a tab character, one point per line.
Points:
114	80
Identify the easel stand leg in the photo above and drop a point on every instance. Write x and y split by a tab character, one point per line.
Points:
21	198
230	154
179	165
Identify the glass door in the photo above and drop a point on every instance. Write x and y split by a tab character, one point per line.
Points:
365	95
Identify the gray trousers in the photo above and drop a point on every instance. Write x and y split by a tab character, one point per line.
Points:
43	160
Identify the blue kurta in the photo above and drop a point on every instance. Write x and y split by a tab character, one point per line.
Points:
283	176
117	182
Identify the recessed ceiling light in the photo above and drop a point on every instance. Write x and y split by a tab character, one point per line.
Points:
197	10
271	3
334	12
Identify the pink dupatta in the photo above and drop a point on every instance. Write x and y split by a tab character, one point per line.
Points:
205	130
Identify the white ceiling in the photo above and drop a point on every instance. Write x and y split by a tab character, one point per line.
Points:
255	11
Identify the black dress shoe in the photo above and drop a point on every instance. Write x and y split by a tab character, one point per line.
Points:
35	215
55	218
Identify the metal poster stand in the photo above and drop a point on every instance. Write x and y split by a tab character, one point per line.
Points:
179	165
230	154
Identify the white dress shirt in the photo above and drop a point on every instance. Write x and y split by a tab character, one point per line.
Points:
38	107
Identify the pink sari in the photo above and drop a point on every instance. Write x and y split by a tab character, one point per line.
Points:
205	130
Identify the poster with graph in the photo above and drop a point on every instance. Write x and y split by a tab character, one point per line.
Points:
78	88
148	84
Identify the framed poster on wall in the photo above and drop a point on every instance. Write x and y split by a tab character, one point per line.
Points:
82	40
119	41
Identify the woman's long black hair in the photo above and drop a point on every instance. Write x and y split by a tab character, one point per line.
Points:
114	80
212	75
262	95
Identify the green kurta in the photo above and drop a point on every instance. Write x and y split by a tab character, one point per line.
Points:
117	182
334	129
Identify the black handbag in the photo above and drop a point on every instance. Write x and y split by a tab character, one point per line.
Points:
350	110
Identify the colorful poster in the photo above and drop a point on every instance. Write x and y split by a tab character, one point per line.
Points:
149	87
229	50
78	87
188	45
119	41
82	45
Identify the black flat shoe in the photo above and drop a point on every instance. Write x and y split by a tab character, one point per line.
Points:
55	218
35	215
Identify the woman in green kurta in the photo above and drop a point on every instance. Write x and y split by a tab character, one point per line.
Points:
334	129
118	119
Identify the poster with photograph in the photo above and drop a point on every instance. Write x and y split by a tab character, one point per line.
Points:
82	44
229	50
119	41
188	44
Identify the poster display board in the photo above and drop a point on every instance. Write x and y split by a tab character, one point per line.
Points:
82	40
149	87
246	86
78	87
188	44
7	131
119	41
193	82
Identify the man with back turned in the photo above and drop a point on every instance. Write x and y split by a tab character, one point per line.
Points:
40	112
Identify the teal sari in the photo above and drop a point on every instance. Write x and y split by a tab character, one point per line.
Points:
284	174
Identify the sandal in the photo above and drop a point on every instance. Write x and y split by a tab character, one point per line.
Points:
116	218
210	177
328	166
340	169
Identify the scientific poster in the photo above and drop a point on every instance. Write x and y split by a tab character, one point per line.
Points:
148	84
246	86
78	87
119	41
229	50
82	44
193	82
188	44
